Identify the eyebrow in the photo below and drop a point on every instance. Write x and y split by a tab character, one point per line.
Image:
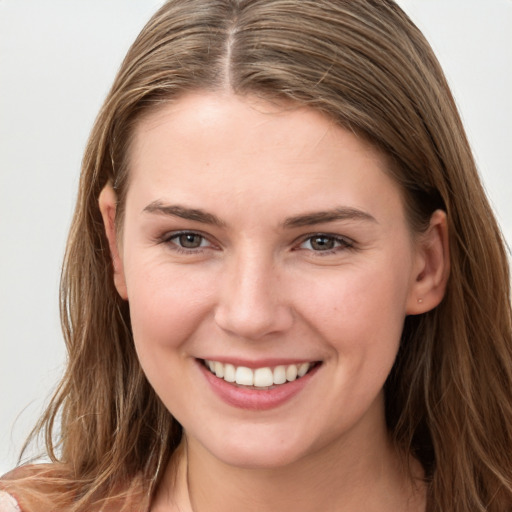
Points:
194	214
342	213
308	219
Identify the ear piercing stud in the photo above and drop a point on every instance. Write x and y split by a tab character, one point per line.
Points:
420	301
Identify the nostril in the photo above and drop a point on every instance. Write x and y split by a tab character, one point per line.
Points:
253	323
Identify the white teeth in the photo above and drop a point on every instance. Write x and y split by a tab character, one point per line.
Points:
291	373
280	374
260	377
219	369
244	376
229	373
303	369
263	377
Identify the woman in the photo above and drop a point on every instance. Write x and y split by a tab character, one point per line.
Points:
284	286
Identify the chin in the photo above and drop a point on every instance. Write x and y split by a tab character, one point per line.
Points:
259	458
270	451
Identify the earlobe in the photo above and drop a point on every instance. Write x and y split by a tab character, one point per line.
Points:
432	267
108	205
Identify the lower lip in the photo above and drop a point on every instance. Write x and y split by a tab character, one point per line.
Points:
255	399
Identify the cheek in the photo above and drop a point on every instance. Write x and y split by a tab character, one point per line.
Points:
359	308
166	308
358	314
166	304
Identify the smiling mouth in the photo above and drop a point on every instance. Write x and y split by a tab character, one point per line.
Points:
259	378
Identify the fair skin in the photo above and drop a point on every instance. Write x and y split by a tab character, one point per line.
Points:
266	237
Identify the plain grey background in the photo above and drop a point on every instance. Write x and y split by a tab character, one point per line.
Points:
57	61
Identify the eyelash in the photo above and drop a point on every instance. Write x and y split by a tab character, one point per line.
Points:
170	239
340	243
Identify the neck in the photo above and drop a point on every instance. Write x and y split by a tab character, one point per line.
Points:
309	485
340	478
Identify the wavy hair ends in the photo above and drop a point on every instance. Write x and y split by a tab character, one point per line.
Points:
364	64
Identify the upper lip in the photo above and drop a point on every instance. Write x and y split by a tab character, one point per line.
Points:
259	363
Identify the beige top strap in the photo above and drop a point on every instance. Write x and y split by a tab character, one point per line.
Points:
8	503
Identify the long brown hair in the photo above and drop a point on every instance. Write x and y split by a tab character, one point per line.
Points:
364	64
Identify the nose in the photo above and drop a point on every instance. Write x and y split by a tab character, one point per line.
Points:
252	302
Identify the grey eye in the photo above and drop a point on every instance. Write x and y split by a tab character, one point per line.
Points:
322	243
189	240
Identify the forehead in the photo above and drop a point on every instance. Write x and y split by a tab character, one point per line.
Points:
214	143
213	121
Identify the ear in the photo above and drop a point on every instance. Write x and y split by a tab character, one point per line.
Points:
108	205
432	267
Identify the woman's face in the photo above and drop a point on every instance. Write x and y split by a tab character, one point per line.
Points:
265	242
